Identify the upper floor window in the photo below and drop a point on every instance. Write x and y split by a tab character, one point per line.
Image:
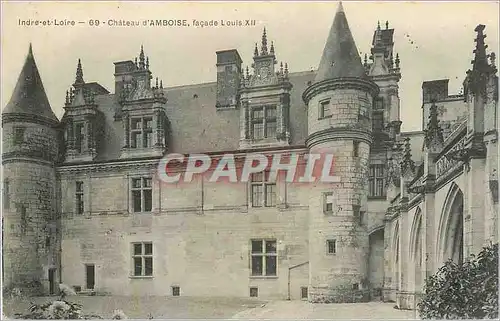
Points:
263	191
331	246
378	104
378	121
19	135
263	122
142	194
324	109
141	132
6	196
142	257
79	198
376	181
79	136
355	148
264	257
328	202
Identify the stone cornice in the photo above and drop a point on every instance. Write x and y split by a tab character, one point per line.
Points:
29	118
331	134
340	83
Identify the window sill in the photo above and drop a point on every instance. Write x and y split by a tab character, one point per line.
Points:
263	277
325	117
141	277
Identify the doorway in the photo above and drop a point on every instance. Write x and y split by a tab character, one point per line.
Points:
52	281
89	276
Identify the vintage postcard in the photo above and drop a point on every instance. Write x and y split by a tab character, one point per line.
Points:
249	160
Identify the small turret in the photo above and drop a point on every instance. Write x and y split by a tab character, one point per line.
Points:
30	151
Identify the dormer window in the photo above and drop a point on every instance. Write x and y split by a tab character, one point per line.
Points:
79	137
264	122
141	132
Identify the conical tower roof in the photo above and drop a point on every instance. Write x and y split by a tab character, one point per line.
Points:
340	57
29	96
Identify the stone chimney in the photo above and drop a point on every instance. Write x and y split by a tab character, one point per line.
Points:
228	78
435	90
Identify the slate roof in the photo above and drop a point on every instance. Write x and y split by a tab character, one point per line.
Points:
340	57
196	124
29	96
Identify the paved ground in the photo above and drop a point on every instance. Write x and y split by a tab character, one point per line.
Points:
140	307
221	308
304	310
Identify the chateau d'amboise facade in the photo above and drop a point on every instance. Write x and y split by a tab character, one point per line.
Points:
84	205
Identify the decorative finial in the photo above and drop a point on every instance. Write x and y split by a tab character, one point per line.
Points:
30	50
79	74
147	63
156	83
281	68
340	8
433	137
67	97
378	25
264	43
386	25
365	62
397	60
407	164
272	48
256	51
161	84
135	61
141	58
247	74
391	61
286	69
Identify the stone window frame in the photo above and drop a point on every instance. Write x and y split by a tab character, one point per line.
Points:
324	109
328	210
355	148
176	290
79	198
142	188
6	194
265	120
144	131
18	132
80	136
268	190
331	246
254	292
378	114
263	256
374	180
142	256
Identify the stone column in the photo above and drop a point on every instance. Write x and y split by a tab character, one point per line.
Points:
474	209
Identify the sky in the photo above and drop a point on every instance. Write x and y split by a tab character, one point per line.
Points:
434	40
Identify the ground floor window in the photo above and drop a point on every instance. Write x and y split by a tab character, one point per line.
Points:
264	258
142	256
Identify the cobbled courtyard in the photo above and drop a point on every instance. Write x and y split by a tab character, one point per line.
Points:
219	308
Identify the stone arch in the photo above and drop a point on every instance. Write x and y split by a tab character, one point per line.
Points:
450	229
415	237
395	256
415	250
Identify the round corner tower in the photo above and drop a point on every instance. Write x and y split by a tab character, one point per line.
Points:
339	107
30	148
